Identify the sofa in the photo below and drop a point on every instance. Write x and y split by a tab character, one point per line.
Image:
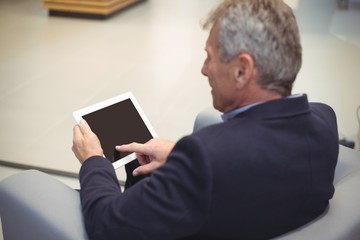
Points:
35	205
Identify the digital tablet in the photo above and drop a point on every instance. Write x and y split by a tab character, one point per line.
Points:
116	121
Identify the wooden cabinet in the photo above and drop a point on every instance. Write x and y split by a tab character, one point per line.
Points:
86	8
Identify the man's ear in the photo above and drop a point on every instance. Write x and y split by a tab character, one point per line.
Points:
244	69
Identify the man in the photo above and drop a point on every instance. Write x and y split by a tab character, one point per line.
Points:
267	169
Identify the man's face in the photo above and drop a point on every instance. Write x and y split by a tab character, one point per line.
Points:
220	75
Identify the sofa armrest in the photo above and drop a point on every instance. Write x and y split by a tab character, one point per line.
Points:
34	205
348	162
340	221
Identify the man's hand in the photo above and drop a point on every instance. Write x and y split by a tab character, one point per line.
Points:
85	143
150	155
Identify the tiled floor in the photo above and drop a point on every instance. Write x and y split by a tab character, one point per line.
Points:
51	66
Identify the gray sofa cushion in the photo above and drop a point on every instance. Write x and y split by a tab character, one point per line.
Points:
34	205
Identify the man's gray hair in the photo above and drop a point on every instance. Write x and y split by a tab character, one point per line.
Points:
265	29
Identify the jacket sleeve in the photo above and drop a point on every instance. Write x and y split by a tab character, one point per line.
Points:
169	204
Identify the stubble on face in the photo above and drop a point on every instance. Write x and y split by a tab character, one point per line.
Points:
218	74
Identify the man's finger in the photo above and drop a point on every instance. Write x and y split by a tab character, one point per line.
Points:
146	169
133	147
77	133
85	128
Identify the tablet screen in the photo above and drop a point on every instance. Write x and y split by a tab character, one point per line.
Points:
117	121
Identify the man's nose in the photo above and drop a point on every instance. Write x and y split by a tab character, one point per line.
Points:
204	69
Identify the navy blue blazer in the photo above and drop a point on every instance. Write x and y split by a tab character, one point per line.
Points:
265	172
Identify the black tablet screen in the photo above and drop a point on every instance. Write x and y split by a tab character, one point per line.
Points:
118	124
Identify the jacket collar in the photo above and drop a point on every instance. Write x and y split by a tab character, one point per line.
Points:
279	108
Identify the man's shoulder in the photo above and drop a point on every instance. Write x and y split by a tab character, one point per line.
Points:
321	107
323	111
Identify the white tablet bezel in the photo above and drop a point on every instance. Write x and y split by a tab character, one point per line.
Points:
78	115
